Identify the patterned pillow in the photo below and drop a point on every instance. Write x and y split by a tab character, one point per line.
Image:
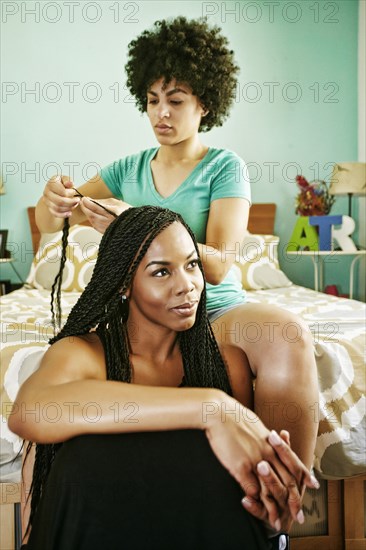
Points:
258	263
81	254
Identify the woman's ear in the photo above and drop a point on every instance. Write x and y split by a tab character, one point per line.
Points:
126	293
204	110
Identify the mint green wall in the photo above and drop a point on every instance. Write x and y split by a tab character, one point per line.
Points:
296	108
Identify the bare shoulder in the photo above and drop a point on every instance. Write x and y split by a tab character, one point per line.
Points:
239	372
74	358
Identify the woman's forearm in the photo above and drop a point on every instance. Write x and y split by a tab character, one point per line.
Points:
226	226
216	263
60	412
47	222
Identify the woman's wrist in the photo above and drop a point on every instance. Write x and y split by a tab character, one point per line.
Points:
214	408
214	262
47	222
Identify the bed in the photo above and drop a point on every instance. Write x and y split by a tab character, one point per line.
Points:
338	328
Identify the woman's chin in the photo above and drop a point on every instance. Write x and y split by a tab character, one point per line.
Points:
186	324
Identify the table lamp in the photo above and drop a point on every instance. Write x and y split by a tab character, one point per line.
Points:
348	178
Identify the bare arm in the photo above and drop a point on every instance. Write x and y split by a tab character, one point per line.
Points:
227	222
71	396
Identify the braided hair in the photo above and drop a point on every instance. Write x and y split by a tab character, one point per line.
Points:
121	250
56	313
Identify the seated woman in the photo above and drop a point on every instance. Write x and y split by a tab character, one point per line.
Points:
145	438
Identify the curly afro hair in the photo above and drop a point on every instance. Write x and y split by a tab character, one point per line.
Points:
190	52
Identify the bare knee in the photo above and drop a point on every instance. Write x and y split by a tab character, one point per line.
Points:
296	331
273	339
287	349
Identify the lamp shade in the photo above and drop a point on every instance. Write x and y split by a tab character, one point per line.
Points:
348	178
2	187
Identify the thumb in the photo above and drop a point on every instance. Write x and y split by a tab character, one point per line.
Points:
285	436
66	182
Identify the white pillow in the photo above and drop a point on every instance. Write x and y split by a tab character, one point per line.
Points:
258	263
81	255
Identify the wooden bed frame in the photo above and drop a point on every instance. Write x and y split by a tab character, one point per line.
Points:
346	529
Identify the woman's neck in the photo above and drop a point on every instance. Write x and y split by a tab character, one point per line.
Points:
185	151
153	343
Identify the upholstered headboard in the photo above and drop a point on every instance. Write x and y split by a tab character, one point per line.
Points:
261	220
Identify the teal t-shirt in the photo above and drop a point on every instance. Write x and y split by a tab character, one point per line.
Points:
220	174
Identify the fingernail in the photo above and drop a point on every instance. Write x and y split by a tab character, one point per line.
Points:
315	482
300	517
274	438
263	468
247	503
277	525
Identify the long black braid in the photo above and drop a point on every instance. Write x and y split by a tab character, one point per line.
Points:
56	287
121	250
56	308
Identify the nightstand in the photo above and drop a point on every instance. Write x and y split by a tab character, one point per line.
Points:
318	258
355	513
10	262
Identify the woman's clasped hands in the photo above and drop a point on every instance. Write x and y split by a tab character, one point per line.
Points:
271	475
